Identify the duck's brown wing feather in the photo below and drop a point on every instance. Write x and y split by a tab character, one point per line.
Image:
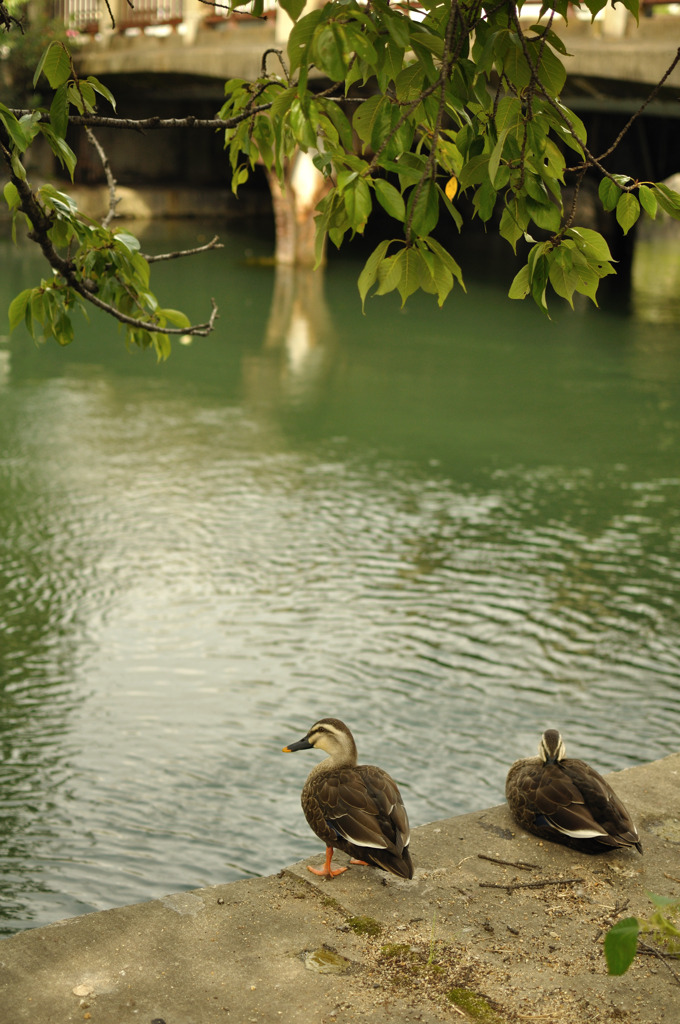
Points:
563	803
360	810
570	803
604	806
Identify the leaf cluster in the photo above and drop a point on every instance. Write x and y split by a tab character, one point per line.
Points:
662	926
89	262
463	102
454	114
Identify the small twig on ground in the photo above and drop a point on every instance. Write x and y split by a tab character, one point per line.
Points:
651	951
529	885
521	864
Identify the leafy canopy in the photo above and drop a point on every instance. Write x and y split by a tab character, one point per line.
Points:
425	104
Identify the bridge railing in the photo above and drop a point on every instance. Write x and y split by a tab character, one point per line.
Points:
91	16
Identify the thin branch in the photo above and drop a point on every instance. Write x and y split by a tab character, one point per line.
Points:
521	864
151	123
444	74
529	885
657	953
213	244
653	94
110	180
279	54
230	9
7	20
41	223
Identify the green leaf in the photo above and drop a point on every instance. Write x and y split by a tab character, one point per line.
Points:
293	8
551	71
453	212
484	200
663	902
61	201
648	201
389	273
390	198
14	129
495	157
176	317
357	197
443	280
620	945
17	308
513	60
475	171
514	220
446	258
561	273
551	37
302	125
609	193
423	208
368	275
131	243
161	343
544	215
59	111
668	199
18	168
328	53
371	118
595	6
398	27
300	39
508	115
102	90
411	272
11	195
587	276
590	243
627	211
55	64
60	148
520	287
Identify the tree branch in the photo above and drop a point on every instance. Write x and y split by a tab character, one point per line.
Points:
41	223
653	94
110	180
212	244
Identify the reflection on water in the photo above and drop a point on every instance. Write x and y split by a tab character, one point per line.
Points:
451	528
656	273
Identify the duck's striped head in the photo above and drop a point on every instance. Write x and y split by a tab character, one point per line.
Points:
551	748
331	735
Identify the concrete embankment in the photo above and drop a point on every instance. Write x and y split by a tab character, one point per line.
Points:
495	927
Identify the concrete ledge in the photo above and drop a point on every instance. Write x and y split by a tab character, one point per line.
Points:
458	931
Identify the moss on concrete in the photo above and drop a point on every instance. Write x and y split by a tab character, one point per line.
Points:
365	925
474	1005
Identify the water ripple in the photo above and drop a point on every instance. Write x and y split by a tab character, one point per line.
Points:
186	588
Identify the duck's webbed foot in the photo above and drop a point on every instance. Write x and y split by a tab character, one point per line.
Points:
326	870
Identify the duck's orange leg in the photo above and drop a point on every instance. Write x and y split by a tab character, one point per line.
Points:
326	870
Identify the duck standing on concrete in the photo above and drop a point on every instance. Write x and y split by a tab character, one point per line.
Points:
567	801
353	807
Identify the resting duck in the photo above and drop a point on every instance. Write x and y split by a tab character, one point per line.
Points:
353	807
562	799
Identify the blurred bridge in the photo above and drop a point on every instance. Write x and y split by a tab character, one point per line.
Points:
187	37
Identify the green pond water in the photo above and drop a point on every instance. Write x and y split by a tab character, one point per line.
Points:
451	528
